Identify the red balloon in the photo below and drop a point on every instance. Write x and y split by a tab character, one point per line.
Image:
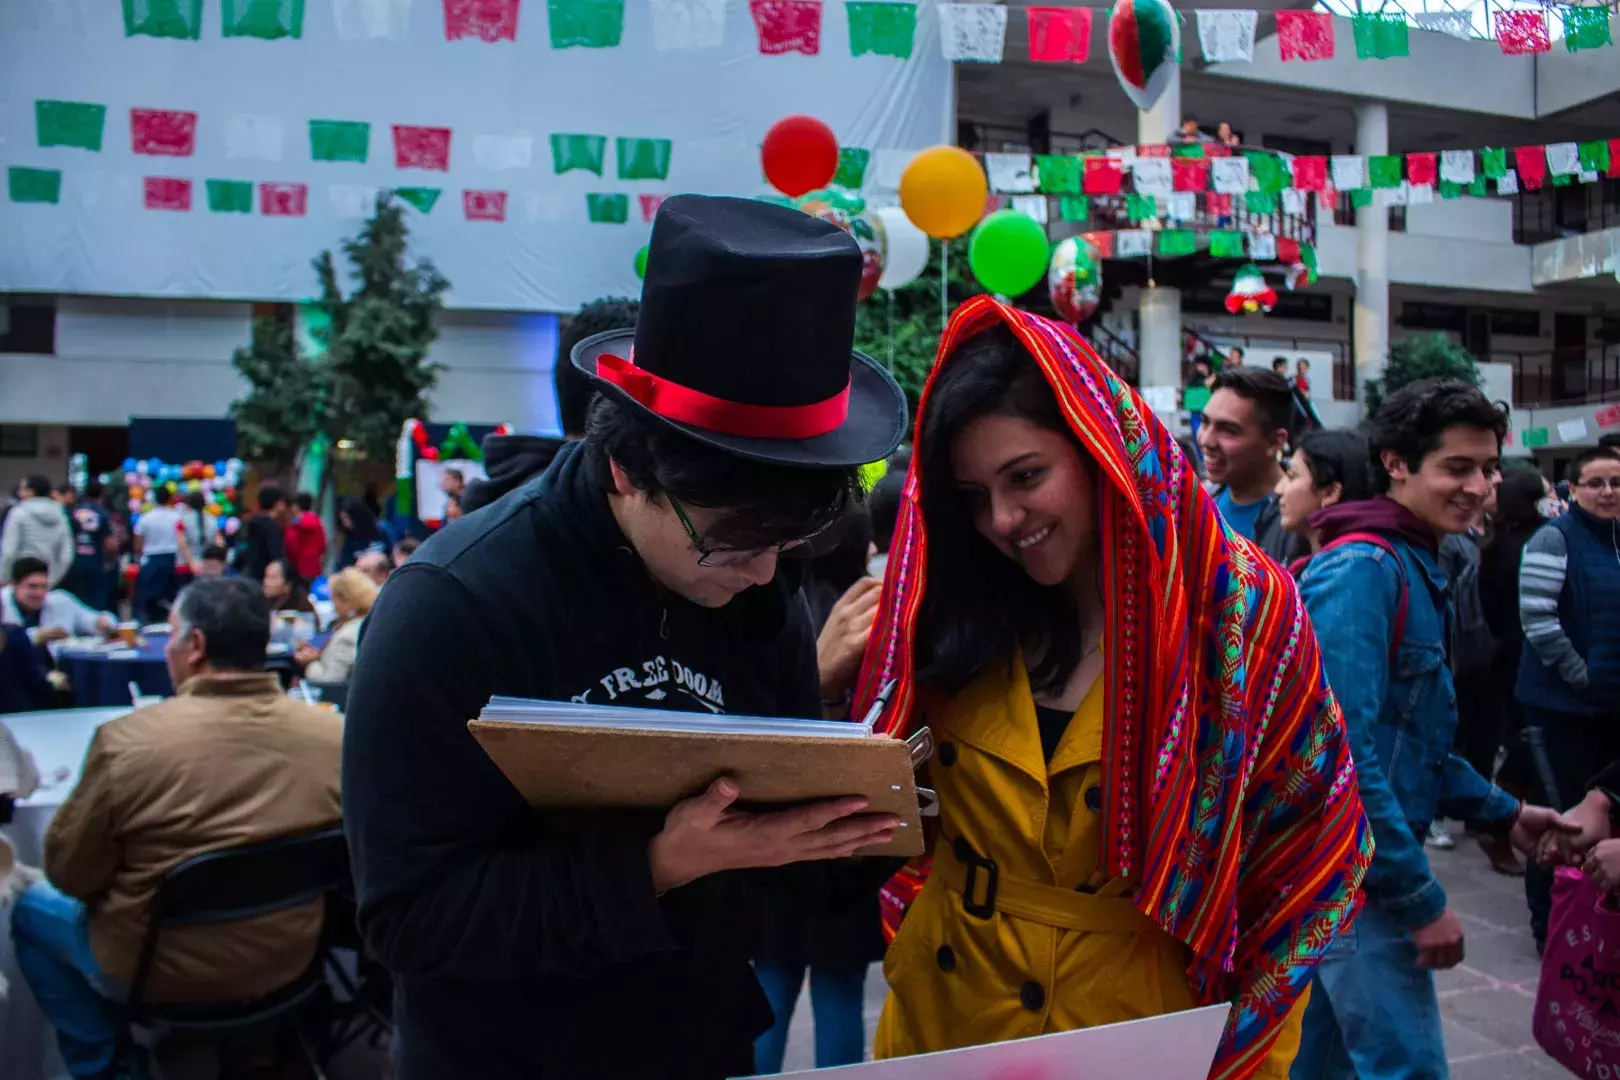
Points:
431	453
800	154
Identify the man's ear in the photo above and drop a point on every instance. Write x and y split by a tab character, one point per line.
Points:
1334	492
1394	465
1279	442
622	484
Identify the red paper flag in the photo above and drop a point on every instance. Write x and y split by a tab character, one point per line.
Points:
1103	176
1189	174
1102	241
283	200
1305	35
487	20
484	205
167	193
1287	250
1310	173
1614	157
1059	35
787	26
1328	198
650	205
1520	33
1532	163
1423	169
1153	150
1217	150
1608	417
166	132
1218	203
421	147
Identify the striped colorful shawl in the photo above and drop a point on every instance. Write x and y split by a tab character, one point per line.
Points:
1230	795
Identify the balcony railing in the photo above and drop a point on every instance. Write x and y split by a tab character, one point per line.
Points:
1563	376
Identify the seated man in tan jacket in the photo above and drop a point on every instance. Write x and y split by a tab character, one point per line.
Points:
230	760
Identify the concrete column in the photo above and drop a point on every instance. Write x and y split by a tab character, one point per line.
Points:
1371	318
1160	312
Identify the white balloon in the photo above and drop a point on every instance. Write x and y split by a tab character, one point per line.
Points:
908	249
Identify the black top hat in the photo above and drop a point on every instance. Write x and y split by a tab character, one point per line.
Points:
746	338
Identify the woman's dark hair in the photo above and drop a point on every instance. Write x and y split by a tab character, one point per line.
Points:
764	504
1339	456
839	562
1517	515
574	389
1414	420
884	504
362	522
297	587
983	606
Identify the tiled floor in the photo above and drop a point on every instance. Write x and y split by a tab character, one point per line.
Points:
1486	1000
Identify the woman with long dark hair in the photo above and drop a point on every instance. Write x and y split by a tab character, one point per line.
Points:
361	533
1140	768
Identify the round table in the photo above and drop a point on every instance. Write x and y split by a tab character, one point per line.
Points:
101	679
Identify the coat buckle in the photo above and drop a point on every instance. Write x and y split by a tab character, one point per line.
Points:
974	863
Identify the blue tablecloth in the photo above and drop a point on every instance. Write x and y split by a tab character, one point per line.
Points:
102	679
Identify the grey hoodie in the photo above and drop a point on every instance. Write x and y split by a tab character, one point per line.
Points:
38	527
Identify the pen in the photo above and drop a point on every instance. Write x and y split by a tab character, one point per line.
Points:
879	703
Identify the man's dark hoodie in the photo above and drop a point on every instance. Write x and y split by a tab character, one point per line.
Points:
509	461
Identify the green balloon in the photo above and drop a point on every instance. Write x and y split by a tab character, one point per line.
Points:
1008	252
641	262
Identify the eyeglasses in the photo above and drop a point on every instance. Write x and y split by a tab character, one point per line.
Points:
709	555
1599	483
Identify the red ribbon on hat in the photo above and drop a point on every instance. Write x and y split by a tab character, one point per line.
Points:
685	405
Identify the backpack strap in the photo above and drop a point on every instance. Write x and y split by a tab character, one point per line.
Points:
1384	543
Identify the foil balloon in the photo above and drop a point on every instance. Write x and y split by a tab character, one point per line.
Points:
907	250
1074	280
1300	276
848	212
1144	42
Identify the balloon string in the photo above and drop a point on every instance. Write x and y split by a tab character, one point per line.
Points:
944	303
891	330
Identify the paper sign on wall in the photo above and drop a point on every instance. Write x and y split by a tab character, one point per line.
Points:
1572	430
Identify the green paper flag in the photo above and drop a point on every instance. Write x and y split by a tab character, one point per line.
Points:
230	196
1307	255
1379	37
1476	187
882	29
1532	437
1059	174
1194	150
339	140
1074	208
1586	27
1226	244
1493	163
569	152
852	162
590	24
608	209
422	198
643	159
267	19
163	18
1561	179
1384	171
1177	242
1594	156
1450	189
1267	171
1260	202
1360	198
69	123
1140	207
34	185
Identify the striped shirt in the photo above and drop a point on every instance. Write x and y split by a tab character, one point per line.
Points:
1541	585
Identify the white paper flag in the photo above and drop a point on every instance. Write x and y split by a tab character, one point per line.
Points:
104	190
887	168
1229	175
1010	173
1419	193
1227	36
1181	205
1572	430
254	138
1034	206
1588	177
1126	153
1349	171
352	200
1262	245
1457	166
1457	24
542	207
1151	176
1395	196
1293	201
975	32
360	19
1563	157
1508	184
1133	243
501	152
688	24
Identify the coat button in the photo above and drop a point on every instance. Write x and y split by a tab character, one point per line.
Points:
1032	996
962	850
945	957
1094	798
947	753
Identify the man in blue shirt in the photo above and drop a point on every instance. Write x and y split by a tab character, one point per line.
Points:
1242	437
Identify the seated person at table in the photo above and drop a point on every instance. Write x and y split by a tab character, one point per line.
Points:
404	550
284	589
47	614
216	562
375	565
24	686
352	596
230	760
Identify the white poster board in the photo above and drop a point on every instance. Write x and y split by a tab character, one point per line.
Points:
122	204
431	501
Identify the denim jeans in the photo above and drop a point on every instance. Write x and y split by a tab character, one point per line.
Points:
51	932
837	998
1373	1013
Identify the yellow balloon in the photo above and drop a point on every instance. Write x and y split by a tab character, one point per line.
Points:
943	191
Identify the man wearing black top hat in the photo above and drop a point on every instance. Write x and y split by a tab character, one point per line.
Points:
640	569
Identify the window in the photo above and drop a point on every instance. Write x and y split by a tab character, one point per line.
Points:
1516	323
1416	315
19	440
28	325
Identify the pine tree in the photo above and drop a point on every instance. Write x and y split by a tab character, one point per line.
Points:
274	420
1427	357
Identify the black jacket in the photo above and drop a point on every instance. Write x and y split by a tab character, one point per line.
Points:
509	462
264	541
526	944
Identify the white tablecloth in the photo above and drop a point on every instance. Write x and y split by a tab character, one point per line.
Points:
58	741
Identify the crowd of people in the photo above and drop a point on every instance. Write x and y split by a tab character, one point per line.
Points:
1196	708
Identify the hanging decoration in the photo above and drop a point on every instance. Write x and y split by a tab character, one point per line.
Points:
218	482
1074	280
1144	41
1008	252
799	154
907	248
1299	276
1250	293
943	191
459	444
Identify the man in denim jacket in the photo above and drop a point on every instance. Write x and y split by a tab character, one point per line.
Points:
1373	1012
